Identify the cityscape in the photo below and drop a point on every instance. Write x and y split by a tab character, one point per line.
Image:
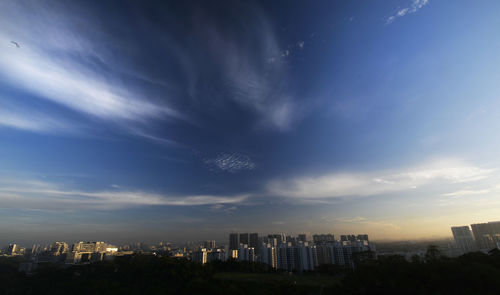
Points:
279	251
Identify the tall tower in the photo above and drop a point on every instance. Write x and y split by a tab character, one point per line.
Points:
487	235
254	240
234	242
463	238
244	239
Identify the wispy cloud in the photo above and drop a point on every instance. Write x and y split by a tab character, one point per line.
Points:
449	172
29	194
414	7
59	63
35	122
66	59
470	191
248	67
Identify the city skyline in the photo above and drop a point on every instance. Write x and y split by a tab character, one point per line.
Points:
127	121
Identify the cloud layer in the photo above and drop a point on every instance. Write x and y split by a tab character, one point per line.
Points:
31	194
442	173
86	69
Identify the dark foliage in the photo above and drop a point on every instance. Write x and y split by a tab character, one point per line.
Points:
473	273
233	265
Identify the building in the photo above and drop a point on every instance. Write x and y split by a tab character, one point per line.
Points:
13	249
322	239
350	238
325	254
291	240
200	256
234	241
244	239
254	241
363	237
287	257
216	254
463	239
246	253
268	255
89	252
234	254
307	258
210	244
58	248
487	235
277	239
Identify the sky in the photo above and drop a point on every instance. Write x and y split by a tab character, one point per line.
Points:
184	120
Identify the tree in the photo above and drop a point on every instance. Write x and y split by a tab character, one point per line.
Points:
432	253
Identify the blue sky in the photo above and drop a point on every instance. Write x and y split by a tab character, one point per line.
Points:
166	121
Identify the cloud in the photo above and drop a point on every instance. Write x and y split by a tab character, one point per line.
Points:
35	122
468	192
442	172
230	162
359	220
70	57
75	85
247	67
30	194
221	208
63	64
414	7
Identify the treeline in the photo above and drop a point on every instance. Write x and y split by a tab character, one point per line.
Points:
473	273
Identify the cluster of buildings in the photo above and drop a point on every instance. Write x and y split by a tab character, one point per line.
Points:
478	237
279	251
291	253
61	252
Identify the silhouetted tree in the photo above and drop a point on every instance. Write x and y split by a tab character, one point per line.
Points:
432	253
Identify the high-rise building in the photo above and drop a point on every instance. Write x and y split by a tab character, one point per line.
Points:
13	249
246	253
244	239
297	255
200	256
210	244
487	235
234	254
362	237
350	238
287	257
254	241
88	251
322	239
277	238
58	248
292	240
307	258
268	255
234	241
302	238
463	238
